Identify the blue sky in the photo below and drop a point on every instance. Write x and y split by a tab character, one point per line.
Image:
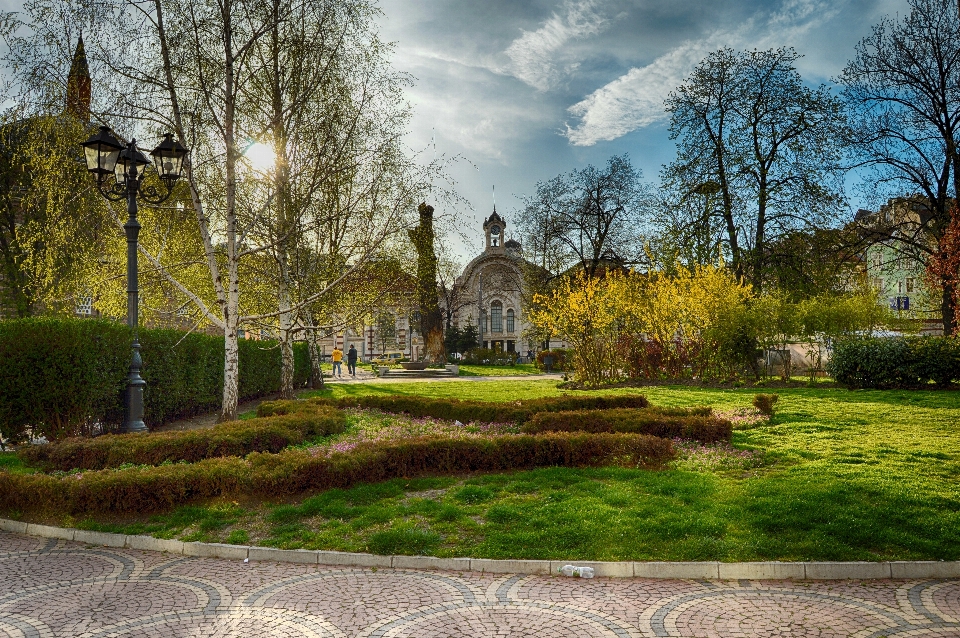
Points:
527	90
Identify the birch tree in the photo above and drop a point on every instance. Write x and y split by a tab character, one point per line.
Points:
332	111
220	74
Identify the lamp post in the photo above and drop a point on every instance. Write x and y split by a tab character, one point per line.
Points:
106	155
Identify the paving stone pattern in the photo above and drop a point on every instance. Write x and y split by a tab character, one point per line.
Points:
51	587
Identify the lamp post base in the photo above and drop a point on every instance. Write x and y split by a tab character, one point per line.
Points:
133	419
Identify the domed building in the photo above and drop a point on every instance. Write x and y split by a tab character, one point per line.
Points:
490	291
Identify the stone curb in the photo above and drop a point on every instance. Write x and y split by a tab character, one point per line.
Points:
709	570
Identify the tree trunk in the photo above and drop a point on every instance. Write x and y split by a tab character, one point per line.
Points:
231	370
287	391
431	319
316	372
948	308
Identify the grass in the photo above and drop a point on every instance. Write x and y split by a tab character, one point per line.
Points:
10	462
835	475
517	370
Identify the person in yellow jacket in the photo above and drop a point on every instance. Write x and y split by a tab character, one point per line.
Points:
337	360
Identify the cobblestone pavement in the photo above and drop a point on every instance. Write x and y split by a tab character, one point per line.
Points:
57	588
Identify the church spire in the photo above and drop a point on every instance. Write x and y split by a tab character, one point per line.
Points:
78	85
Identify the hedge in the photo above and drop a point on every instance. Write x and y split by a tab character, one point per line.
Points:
484	411
674	423
154	489
293	424
895	362
63	377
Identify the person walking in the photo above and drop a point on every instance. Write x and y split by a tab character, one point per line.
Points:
337	357
352	361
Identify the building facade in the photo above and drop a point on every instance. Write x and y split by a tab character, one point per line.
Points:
490	292
894	258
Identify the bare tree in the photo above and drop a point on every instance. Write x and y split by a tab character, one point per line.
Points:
580	218
903	90
746	121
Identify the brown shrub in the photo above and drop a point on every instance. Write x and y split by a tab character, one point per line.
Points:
765	403
669	423
292	424
483	411
150	489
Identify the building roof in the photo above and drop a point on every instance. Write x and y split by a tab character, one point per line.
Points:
79	67
494	218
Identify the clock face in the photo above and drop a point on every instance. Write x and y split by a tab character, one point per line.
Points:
494	230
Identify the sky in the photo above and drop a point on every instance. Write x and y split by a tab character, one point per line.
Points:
523	91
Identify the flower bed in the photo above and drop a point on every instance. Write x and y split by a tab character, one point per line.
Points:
375	426
711	457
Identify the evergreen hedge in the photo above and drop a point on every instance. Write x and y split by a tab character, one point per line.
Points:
63	377
895	362
483	411
293	471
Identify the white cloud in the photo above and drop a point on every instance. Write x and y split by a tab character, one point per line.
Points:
469	108
538	57
635	99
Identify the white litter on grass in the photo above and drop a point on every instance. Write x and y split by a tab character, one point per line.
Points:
458	424
578	572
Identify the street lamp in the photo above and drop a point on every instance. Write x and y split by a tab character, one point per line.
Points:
106	155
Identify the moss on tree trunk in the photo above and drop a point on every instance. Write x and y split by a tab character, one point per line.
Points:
431	320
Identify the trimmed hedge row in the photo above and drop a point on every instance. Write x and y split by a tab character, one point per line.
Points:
487	412
294	423
673	423
62	377
895	362
153	489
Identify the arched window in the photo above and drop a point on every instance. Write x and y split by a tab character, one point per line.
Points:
496	317
510	320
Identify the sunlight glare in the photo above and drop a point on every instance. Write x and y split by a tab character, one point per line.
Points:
261	157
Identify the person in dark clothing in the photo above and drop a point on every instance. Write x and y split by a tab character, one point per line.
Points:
352	361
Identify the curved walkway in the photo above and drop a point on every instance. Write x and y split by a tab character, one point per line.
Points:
52	588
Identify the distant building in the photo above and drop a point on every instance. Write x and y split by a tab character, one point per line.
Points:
490	291
894	259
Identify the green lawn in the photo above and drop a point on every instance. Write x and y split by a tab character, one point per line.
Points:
10	462
836	475
518	370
